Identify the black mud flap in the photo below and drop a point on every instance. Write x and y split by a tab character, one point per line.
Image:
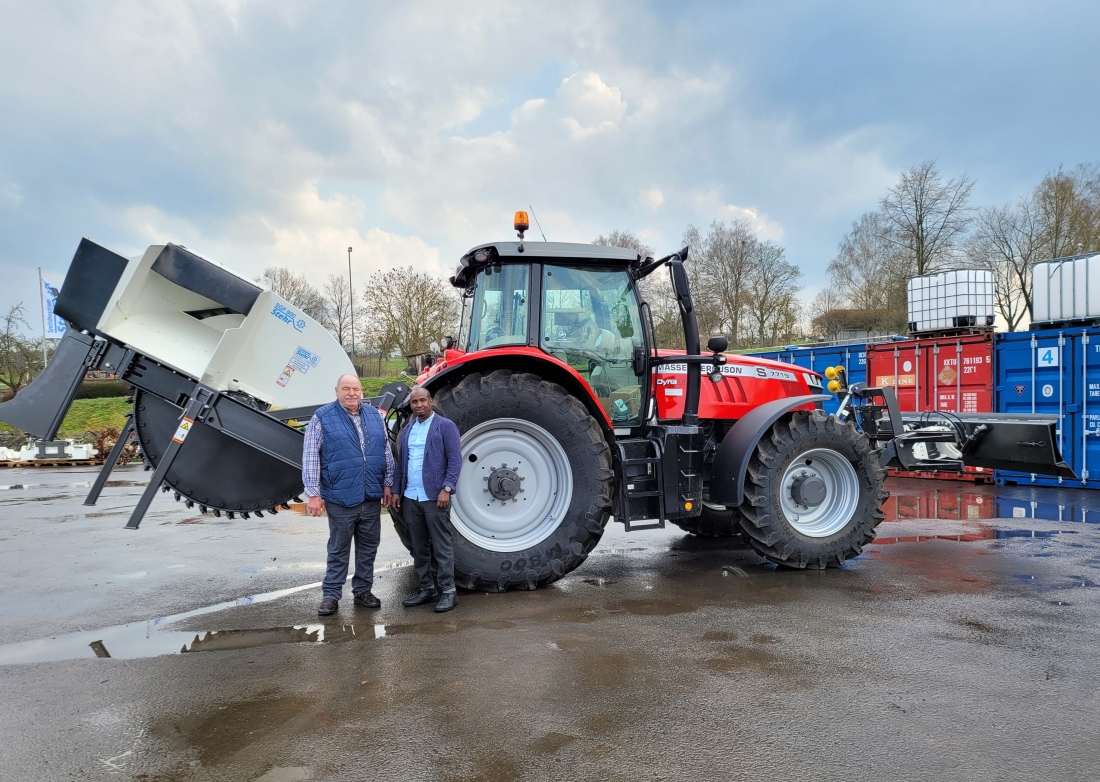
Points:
40	408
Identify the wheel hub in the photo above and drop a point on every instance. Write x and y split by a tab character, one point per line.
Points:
504	483
819	492
808	490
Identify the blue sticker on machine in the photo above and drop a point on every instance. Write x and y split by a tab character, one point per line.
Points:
303	360
287	315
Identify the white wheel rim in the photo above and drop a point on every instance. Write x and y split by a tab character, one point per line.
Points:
531	499
841	493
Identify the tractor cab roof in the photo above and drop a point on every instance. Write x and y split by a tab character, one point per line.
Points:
534	252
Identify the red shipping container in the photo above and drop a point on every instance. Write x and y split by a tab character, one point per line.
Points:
953	374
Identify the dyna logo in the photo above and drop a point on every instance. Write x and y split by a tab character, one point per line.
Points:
666	381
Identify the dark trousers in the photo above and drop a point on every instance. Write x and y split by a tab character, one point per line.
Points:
430	534
363	524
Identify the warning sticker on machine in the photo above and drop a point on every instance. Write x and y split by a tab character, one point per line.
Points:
736	370
182	430
302	361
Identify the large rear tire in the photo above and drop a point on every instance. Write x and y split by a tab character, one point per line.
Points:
813	492
534	494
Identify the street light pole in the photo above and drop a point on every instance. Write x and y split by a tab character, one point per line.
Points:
351	302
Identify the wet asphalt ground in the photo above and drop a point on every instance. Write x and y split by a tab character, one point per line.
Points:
963	644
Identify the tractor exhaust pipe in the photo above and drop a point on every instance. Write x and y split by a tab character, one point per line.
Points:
682	290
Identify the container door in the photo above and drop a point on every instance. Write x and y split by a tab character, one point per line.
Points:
900	365
962	374
1087	434
1036	375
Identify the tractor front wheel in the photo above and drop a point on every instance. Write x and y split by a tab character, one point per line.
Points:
813	492
534	493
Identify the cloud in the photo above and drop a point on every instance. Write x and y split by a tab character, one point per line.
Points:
279	133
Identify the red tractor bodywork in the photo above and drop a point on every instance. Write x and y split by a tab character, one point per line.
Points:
746	382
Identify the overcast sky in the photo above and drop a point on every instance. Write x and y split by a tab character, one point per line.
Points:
269	132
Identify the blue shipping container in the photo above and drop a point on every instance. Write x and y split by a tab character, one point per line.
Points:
853	357
1054	371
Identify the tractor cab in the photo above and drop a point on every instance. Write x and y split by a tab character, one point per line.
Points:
577	303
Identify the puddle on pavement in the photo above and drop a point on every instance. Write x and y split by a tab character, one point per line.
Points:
960	501
61	486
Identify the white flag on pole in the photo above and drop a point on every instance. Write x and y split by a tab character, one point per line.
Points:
55	326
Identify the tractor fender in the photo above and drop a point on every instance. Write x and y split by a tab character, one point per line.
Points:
523	359
727	478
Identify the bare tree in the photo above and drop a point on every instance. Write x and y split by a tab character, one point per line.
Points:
928	216
337	319
1008	241
656	290
407	310
296	289
770	292
1068	210
869	272
719	267
20	358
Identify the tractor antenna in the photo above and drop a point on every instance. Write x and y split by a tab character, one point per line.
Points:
536	221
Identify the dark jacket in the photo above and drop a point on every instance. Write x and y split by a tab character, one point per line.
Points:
348	475
442	457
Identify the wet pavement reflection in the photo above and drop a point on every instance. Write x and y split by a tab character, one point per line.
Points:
966	636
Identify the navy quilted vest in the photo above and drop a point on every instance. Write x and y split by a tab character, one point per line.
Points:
348	476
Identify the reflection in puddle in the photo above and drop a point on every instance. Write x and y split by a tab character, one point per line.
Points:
60	486
950	500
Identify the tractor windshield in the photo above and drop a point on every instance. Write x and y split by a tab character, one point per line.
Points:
590	321
497	315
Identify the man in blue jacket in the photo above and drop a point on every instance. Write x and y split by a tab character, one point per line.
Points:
347	468
424	480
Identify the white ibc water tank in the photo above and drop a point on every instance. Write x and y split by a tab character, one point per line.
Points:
1066	289
951	300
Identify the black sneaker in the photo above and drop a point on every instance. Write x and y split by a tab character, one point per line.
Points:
367	600
328	606
447	602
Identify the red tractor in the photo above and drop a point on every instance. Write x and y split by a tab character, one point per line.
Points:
570	415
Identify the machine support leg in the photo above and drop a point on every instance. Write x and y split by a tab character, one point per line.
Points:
197	404
112	460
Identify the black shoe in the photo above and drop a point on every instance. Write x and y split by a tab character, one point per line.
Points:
420	598
448	601
367	600
328	606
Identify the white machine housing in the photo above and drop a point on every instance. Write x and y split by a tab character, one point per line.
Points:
276	353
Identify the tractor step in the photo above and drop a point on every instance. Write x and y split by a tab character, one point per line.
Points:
641	495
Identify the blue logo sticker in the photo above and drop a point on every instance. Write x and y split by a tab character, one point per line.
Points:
287	315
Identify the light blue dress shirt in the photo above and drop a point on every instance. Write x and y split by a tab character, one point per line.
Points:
418	439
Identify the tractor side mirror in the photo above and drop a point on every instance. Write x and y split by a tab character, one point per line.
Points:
639	361
717	344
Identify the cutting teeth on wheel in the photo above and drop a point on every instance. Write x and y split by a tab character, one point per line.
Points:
244	515
177	496
259	514
217	513
297	499
272	510
230	515
203	509
165	488
189	503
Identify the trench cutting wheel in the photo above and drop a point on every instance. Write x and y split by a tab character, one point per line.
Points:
213	470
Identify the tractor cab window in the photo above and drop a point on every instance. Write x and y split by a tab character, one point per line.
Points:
590	320
497	314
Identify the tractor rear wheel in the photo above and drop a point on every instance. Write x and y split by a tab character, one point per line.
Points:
813	492
534	493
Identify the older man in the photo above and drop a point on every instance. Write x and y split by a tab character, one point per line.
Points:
347	468
426	474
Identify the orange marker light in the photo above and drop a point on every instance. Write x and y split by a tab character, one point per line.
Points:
687	506
521	222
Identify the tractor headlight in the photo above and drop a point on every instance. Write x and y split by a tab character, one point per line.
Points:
813	381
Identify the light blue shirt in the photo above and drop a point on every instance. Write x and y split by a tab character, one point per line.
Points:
418	439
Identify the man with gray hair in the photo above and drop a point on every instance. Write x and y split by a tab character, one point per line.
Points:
347	468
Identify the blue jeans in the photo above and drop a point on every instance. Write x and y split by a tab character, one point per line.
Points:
363	523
